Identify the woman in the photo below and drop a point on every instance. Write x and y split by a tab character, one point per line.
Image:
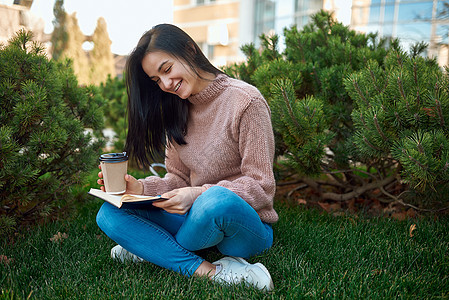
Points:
218	142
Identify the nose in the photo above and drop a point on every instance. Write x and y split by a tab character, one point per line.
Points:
165	83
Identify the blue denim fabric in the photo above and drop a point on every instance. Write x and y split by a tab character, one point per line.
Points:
218	217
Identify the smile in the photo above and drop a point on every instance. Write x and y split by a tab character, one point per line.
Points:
177	86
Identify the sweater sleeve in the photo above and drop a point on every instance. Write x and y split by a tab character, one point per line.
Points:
177	176
256	146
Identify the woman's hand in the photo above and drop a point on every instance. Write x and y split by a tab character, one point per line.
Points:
133	186
180	200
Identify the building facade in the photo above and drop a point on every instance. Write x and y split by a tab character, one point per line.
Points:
411	21
221	27
214	25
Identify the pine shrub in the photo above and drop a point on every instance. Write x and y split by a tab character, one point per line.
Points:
383	130
45	148
401	119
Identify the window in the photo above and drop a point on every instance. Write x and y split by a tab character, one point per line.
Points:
264	18
208	50
203	2
304	9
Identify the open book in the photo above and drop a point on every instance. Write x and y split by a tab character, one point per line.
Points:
126	201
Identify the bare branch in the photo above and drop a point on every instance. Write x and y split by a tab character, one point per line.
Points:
396	199
358	190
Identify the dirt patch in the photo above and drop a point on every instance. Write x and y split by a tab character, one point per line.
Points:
297	194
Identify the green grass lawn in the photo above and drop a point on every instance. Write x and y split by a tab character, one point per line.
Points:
314	256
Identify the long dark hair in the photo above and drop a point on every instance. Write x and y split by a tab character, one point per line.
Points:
154	116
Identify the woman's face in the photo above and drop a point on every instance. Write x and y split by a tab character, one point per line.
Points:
172	75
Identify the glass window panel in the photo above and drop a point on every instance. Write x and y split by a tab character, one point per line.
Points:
389	14
415	11
412	33
443	33
301	21
282	23
303	6
374	14
443	9
284	8
387	30
264	18
372	28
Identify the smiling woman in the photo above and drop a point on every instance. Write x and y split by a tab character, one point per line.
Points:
215	133
169	53
173	75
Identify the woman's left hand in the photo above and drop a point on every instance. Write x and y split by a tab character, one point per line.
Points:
179	200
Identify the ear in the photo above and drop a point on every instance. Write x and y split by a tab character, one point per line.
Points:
190	47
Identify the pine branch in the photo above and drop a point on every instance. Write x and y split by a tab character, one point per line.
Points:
415	160
376	123
420	148
363	121
373	77
415	75
287	103
397	117
386	83
399	59
401	90
316	77
439	111
360	93
370	145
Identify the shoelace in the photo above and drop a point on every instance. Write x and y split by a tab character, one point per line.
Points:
235	276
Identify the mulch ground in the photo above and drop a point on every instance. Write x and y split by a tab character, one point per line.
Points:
370	206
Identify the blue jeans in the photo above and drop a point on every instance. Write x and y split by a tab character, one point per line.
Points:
218	217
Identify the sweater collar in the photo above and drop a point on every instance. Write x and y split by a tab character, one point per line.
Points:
211	91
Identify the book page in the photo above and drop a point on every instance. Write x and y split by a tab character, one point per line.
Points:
136	198
113	199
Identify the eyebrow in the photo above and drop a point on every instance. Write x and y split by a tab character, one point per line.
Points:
162	64
160	68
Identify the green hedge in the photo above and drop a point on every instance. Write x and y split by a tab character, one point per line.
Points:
45	148
354	115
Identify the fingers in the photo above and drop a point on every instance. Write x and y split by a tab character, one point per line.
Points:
170	194
100	181
170	207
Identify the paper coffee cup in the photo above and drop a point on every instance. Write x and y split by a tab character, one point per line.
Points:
114	167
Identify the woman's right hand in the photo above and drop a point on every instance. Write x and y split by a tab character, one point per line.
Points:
133	186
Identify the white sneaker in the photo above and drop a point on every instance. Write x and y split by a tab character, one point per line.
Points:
235	270
123	255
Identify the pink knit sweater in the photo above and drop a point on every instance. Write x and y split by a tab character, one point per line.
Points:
230	143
